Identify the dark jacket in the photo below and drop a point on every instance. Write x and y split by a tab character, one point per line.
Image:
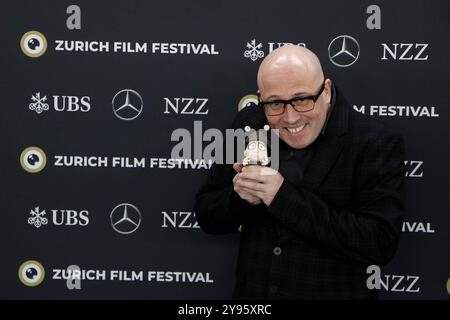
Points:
330	219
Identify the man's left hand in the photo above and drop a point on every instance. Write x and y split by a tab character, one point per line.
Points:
262	182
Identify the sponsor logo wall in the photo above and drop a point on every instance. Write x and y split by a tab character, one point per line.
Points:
94	203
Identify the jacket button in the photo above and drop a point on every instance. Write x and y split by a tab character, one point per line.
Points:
273	289
277	251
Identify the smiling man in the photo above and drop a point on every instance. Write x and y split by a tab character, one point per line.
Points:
334	207
294	73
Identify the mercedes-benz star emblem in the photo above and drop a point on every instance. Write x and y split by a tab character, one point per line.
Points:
125	218
127	104
343	51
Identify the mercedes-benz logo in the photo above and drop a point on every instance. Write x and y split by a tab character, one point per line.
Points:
343	51
127	104
125	218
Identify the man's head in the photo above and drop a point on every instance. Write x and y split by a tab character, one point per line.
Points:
294	72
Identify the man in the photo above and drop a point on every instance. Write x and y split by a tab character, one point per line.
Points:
311	229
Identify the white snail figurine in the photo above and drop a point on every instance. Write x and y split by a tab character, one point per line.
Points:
256	150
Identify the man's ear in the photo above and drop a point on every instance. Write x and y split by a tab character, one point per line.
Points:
328	90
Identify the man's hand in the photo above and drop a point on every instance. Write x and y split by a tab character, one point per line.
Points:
254	200
258	182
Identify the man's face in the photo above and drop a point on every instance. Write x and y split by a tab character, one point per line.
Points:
297	129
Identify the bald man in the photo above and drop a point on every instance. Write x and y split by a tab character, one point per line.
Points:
334	207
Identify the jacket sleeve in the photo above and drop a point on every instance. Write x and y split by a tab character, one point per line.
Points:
218	208
369	230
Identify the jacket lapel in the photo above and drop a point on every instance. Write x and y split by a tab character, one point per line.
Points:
323	160
329	145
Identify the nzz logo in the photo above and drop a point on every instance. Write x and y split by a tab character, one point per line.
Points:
405	51
38	218
414	169
40	103
392	283
179	219
186	105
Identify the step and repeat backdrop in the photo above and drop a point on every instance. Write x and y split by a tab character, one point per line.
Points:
93	90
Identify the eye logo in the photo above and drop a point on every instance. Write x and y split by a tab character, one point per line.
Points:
448	285
33	44
31	273
33	159
248	101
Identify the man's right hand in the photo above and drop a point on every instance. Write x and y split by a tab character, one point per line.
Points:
240	190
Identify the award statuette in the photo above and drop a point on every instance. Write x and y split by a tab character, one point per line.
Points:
256	151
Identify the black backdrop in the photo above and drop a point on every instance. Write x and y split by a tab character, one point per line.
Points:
403	66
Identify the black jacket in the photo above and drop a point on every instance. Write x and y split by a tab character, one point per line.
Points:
329	220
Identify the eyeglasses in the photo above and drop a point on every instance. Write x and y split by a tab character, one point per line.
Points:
300	104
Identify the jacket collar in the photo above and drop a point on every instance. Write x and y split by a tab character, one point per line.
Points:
337	118
329	145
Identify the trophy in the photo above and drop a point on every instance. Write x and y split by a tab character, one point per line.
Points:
256	151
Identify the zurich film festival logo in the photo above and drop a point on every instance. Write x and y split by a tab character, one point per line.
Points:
33	159
125	218
31	273
343	51
33	44
127	104
448	285
249	100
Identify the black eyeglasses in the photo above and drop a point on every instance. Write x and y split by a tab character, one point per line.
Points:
300	104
